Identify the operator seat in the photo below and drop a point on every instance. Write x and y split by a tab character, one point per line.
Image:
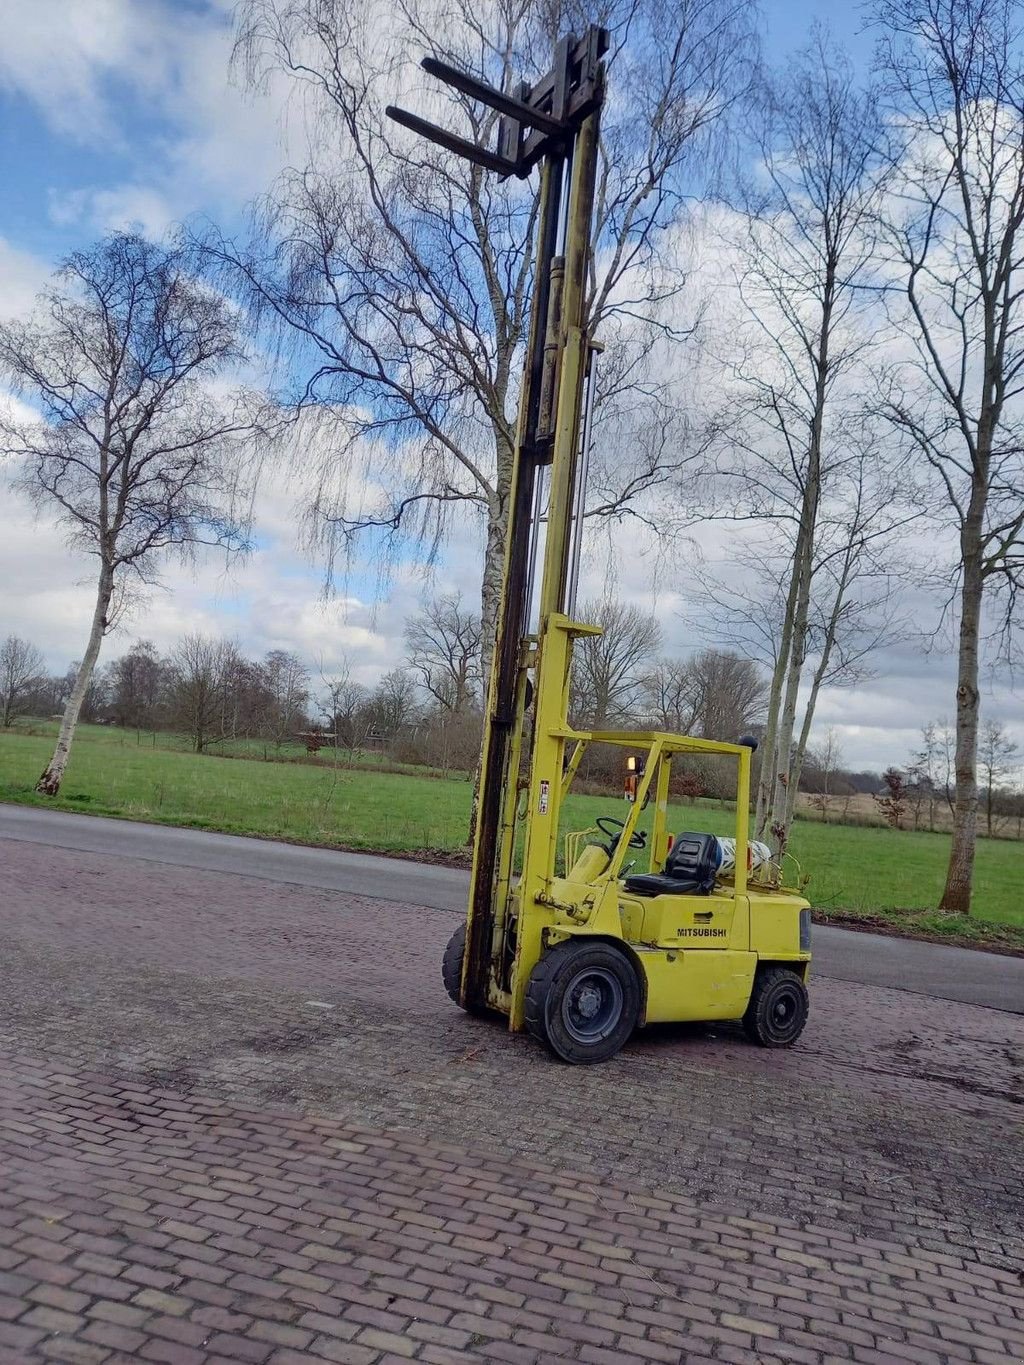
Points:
689	869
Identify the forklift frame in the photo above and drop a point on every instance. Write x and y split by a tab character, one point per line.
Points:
518	928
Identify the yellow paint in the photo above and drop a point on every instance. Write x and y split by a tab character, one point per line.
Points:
689	986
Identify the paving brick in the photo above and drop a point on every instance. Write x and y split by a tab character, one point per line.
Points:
126	1340
344	1352
159	1302
386	1341
280	1334
124	1314
72	1352
53	1320
18	1337
172	1353
437	1335
197	1218
53	1296
235	1347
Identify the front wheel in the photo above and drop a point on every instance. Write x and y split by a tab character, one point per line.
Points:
583	1001
778	1008
451	964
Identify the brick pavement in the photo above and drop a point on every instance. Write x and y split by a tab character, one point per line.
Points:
240	1121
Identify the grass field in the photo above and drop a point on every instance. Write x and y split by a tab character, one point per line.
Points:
897	875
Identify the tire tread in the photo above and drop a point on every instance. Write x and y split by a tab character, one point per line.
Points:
451	964
540	983
765	978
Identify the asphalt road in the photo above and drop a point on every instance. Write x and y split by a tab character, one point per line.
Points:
924	968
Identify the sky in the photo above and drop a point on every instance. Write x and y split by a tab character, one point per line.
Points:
122	112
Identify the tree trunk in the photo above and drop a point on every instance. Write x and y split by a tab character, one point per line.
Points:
803	566
494	563
960	876
769	749
49	783
797	652
784	744
801	744
490	605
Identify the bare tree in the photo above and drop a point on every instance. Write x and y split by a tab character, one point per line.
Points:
997	755
932	768
130	448
609	669
922	773
715	694
201	692
285	680
806	251
343	704
954	225
733	694
671	696
22	669
394	701
402	275
443	647
138	683
826	762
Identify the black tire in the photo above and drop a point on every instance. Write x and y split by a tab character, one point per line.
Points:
583	1001
451	965
778	1008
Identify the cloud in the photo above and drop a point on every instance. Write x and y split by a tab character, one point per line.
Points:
21	276
130	206
66	59
147	87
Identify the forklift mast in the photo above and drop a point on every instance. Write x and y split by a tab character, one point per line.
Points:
553	125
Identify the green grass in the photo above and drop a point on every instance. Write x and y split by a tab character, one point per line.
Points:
313	803
289	751
894	875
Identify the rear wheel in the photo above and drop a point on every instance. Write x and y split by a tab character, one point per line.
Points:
778	1008
583	1001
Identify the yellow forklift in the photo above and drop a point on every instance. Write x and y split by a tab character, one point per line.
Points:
584	951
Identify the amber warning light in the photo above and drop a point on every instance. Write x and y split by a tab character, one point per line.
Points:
634	772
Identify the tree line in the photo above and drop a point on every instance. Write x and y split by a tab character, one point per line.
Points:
849	378
920	794
428	710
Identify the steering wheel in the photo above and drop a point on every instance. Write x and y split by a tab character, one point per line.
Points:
638	839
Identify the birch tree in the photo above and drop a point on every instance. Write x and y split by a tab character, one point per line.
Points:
130	451
853	608
806	250
398	277
954	228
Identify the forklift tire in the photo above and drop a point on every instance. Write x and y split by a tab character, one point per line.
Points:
583	1001
451	965
778	1008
